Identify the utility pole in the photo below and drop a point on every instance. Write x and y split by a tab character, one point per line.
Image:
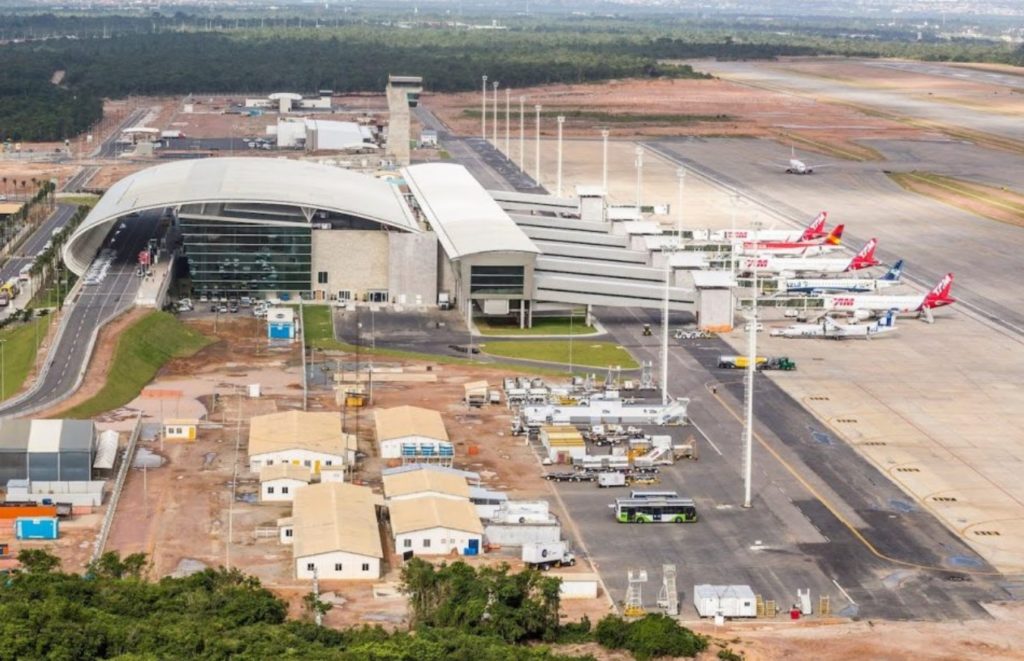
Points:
508	120
664	328
522	134
3	371
494	129
681	174
604	160
536	149
748	429
558	185
483	111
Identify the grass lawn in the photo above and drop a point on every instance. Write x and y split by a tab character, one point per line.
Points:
19	352
541	326
584	353
319	334
319	330
141	350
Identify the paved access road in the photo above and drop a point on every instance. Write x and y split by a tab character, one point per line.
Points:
33	245
488	165
108	148
93	306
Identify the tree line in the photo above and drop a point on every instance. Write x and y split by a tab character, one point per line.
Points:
459	614
357	56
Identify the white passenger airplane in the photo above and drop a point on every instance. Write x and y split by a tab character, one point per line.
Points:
850	285
793	265
828	328
810	248
814	230
796	166
866	306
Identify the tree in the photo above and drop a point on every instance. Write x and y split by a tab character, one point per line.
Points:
38	561
314	607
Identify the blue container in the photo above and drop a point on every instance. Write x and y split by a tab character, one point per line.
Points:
43	527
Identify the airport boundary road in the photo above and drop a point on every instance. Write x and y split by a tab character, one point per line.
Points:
91	307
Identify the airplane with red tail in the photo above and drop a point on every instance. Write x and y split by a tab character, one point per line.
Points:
790	266
866	306
802	248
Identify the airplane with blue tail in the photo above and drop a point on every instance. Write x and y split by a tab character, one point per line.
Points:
892	277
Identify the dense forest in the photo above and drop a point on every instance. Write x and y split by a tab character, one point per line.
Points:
118	56
460	614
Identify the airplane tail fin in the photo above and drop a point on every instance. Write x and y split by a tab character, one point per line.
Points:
894	273
815	228
866	256
835	237
939	295
889	320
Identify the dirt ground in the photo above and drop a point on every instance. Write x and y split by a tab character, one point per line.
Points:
753	112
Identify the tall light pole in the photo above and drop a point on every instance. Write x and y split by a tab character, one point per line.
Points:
522	134
558	179
536	148
604	160
494	129
639	176
748	428
3	372
734	202
664	328
681	174
508	120
483	111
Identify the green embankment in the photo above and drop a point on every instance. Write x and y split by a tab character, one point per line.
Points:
542	326
141	351
20	346
584	353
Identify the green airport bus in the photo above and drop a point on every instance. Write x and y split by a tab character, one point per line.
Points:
655	510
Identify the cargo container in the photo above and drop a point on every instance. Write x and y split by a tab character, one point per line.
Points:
724	600
43	527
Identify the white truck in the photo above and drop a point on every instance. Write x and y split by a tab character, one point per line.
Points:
171	134
545	555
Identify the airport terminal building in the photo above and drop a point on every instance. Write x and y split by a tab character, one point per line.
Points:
282	228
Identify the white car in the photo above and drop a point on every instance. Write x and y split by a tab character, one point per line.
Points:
757	328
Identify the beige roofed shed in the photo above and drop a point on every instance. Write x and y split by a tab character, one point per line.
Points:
425	481
336	517
403	421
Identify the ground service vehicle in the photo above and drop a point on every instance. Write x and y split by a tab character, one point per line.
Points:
545	555
761	362
654	510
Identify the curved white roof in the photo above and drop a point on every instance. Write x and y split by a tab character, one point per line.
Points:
276	181
465	217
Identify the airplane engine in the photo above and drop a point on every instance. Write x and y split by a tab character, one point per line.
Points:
861	315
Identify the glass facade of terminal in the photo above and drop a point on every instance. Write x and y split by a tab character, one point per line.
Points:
237	258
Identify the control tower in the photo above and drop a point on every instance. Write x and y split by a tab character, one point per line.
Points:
403	93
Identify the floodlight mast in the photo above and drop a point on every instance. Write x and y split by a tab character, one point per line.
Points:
748	429
483	111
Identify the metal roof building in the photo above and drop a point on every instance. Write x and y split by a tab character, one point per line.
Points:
433	512
490	260
418	484
236	189
335	531
46	450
